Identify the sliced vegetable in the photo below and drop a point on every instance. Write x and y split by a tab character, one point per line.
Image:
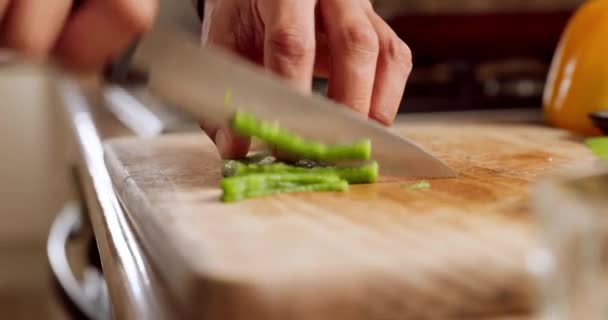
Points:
420	185
270	132
230	167
272	180
599	146
366	173
259	158
262	175
256	185
340	186
305	163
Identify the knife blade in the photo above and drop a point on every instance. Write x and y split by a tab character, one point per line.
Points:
196	79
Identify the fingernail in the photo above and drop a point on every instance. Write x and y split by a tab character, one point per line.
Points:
382	115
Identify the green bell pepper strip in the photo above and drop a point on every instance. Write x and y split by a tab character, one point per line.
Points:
339	186
599	146
260	184
420	185
366	173
272	180
270	132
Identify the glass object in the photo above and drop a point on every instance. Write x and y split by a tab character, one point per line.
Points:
573	262
578	79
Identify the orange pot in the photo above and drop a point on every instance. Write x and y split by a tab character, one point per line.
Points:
578	79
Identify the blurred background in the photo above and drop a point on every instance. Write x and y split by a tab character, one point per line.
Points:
467	53
477	54
33	187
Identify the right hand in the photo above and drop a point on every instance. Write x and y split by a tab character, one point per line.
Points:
88	36
346	41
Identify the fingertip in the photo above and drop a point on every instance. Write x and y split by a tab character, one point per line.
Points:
393	69
382	120
231	145
384	115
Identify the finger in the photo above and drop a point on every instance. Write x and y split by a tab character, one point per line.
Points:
353	46
392	71
289	40
3	7
33	26
217	30
225	27
231	145
101	29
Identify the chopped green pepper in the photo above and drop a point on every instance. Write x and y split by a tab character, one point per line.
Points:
365	173
262	176
599	146
270	132
339	186
262	184
272	180
420	185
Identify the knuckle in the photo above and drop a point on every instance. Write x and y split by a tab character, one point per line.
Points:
138	16
292	44
360	39
397	53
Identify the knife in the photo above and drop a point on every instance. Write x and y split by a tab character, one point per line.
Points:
196	79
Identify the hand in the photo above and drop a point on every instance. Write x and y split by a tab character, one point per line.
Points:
345	40
87	36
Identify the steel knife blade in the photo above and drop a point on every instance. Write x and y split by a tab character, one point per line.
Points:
196	80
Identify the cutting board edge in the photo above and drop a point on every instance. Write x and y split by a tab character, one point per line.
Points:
182	284
190	282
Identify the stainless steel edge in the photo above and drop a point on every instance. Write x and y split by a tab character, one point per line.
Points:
135	275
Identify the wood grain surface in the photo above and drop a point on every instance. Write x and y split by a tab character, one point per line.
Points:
382	251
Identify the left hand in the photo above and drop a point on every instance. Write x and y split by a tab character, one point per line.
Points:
85	36
345	40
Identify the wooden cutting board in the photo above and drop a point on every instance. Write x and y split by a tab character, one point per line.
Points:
380	251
